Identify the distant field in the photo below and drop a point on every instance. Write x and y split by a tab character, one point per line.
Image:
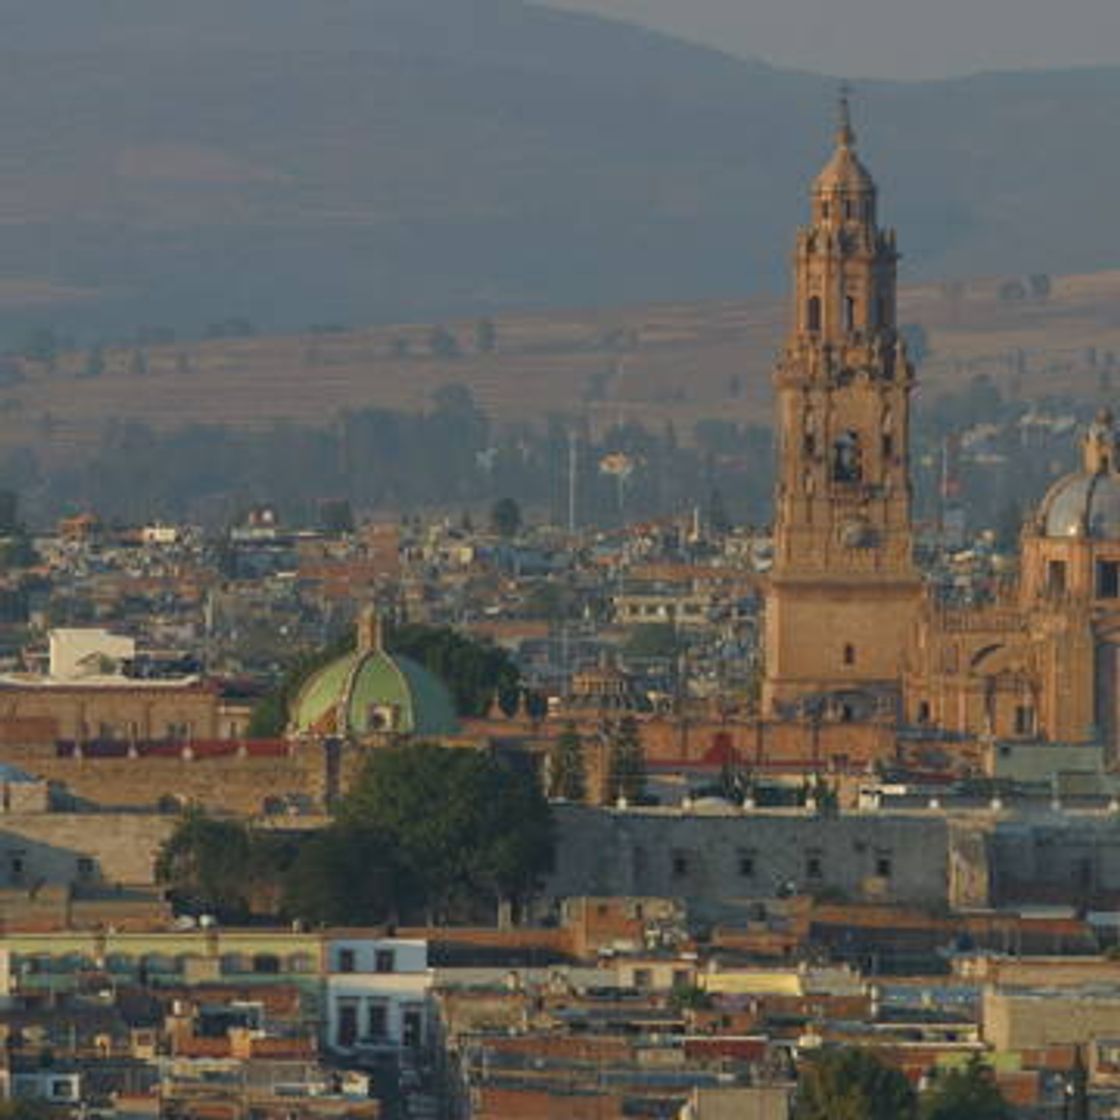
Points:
653	364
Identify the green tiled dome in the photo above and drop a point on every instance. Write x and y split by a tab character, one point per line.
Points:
372	691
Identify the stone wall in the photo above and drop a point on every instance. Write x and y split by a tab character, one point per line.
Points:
238	782
80	849
717	863
1071	859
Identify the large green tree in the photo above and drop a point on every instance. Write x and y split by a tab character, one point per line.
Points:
205	864
465	829
853	1084
968	1093
343	876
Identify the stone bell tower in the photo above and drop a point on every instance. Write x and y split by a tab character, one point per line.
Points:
843	589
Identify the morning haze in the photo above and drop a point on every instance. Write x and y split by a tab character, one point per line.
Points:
885	38
295	163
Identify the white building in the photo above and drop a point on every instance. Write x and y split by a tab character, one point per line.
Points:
378	993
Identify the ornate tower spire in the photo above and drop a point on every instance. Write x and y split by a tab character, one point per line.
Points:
845	135
842	532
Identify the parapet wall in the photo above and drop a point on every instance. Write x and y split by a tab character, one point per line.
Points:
245	781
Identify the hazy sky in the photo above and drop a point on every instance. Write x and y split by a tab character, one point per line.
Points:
889	38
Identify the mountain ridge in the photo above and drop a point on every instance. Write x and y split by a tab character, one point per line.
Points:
177	165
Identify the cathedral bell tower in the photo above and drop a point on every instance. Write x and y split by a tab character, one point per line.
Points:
843	589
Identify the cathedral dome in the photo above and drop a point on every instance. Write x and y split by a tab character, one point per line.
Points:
372	691
1083	505
1087	502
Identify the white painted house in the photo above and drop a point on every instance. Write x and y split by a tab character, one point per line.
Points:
378	994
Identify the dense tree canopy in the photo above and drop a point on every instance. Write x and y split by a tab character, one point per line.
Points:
474	671
853	1084
217	867
463	827
968	1093
426	832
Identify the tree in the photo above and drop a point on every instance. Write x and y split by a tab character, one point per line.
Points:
344	875
626	761
205	865
223	867
466	830
505	517
474	671
968	1093
567	775
852	1084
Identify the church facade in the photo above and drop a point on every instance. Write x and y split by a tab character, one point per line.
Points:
854	634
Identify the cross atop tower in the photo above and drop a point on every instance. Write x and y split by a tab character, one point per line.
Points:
845	134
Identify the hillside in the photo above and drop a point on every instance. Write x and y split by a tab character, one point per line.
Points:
330	161
652	364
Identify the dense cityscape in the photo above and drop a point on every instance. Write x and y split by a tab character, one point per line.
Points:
499	814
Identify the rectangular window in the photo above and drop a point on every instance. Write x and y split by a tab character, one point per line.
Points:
1108	579
643	978
1056	577
413	1027
1024	720
347	1024
814	867
346	960
746	865
378	1021
883	865
85	866
385	961
680	864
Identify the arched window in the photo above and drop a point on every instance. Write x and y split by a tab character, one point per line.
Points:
813	314
849	313
849	654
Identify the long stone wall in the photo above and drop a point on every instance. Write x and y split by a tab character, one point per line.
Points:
718	863
234	783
